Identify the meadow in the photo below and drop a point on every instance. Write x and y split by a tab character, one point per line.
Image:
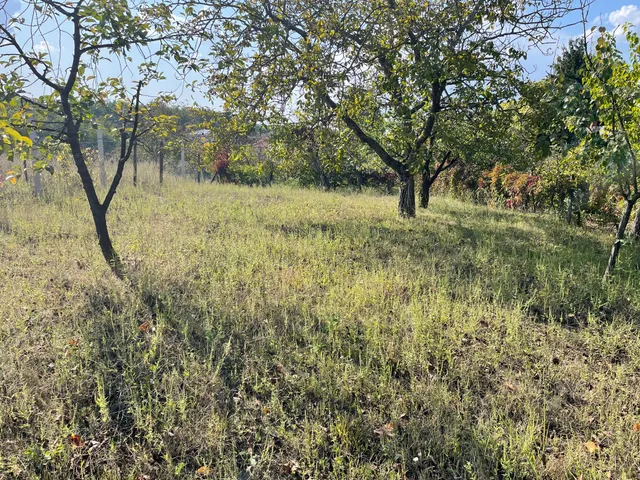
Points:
277	332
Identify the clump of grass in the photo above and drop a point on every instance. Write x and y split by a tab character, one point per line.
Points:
284	333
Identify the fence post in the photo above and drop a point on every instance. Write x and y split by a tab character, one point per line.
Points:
37	177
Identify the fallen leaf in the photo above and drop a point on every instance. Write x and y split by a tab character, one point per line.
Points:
510	386
205	471
144	328
76	441
290	468
385	431
636	427
591	447
73	342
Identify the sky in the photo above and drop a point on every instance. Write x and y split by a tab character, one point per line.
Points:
607	13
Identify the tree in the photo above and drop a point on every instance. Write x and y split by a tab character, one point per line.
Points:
612	82
636	225
10	139
197	142
388	68
474	140
309	146
99	30
232	148
560	109
157	130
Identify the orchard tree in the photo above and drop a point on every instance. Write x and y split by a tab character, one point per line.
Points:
474	140
559	113
197	142
231	147
91	32
612	82
307	145
8	134
387	68
11	140
158	129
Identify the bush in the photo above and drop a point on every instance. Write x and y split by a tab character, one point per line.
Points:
504	186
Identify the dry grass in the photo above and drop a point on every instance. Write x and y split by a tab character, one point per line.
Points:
300	334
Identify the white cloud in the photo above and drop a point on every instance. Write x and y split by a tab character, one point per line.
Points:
626	14
44	47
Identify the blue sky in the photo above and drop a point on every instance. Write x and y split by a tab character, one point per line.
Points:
608	13
10	8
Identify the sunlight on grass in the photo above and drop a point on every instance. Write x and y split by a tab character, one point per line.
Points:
291	333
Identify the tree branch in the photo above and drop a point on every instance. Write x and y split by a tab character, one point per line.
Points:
442	166
125	150
28	60
388	160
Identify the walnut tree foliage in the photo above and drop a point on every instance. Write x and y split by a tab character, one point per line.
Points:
611	80
388	68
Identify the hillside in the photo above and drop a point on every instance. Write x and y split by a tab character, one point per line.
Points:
282	333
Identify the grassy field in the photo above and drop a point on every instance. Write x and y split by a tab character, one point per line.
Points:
283	333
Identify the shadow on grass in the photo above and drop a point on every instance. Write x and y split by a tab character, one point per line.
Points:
213	383
280	393
537	261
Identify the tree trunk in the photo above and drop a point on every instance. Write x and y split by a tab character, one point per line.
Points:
360	180
636	225
135	164
98	213
389	186
326	181
425	187
570	208
104	240
161	160
98	210
407	204
622	227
